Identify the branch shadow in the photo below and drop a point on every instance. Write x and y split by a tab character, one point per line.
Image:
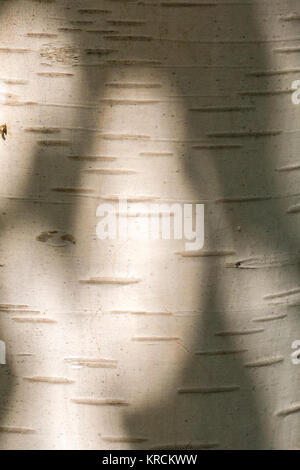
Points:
237	180
227	411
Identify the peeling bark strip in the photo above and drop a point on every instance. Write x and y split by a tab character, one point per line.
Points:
126	22
100	31
54	143
295	166
237	134
19	103
138	62
186	4
128	38
110	171
205	254
20	311
293	209
286	293
25	354
216	146
290	18
55	74
121	439
74	190
100	52
240	332
265	362
123	102
156	154
50	380
70	30
8	50
93	12
266	73
93	362
16	430
295	408
130	198
208	390
42	130
220	352
245	199
271	318
93	158
41	35
155	338
265	92
33	320
13	81
12	307
133	312
71	106
81	22
287	50
110	280
220	109
187	446
124	137
100	402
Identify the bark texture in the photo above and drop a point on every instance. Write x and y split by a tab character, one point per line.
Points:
134	345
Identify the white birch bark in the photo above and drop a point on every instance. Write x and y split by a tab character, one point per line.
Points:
133	345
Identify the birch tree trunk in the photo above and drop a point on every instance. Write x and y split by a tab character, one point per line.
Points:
115	344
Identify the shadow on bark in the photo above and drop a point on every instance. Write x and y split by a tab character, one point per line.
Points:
240	167
217	416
